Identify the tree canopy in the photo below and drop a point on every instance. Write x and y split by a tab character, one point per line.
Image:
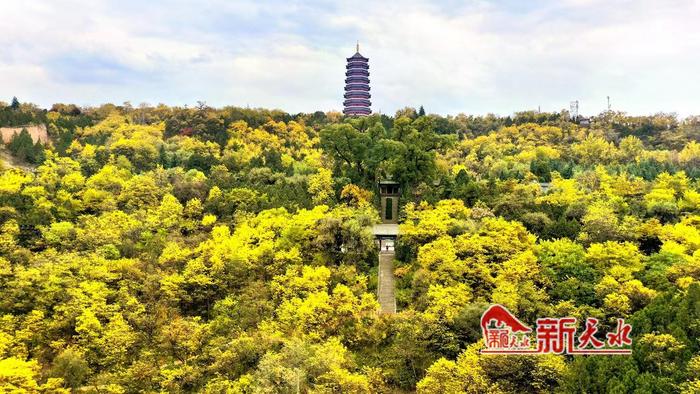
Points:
169	249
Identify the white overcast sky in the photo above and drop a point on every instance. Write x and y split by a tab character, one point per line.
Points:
451	56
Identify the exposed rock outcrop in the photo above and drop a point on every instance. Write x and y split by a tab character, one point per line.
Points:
37	132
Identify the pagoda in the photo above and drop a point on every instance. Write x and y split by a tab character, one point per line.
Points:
357	85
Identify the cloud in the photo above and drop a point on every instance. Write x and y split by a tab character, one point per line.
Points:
451	56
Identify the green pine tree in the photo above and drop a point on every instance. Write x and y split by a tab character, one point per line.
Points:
22	145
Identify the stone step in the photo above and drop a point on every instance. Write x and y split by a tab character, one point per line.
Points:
385	291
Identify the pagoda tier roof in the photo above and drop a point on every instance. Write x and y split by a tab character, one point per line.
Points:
357	56
357	86
357	79
357	102
357	94
357	71
357	65
357	111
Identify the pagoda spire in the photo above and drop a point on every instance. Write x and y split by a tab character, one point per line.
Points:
357	48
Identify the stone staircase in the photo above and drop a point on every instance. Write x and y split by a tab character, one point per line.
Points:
387	299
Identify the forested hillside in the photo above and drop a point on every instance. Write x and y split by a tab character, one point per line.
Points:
166	249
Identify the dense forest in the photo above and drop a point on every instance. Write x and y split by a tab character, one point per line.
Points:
229	250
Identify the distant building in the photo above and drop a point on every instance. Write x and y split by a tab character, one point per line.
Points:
357	86
386	233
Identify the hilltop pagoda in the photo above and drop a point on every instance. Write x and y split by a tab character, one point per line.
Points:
357	86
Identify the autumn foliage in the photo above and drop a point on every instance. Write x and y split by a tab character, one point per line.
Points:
163	249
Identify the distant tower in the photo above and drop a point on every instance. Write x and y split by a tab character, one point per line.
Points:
573	112
357	85
389	193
